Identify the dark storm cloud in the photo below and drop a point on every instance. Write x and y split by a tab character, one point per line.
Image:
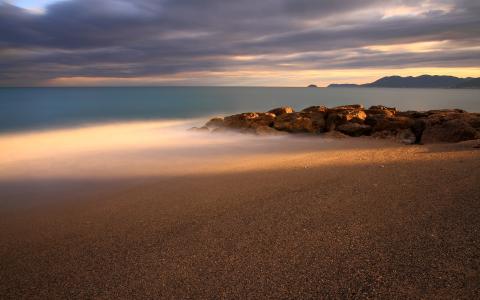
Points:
120	38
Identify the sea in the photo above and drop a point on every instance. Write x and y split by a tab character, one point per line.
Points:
67	144
31	109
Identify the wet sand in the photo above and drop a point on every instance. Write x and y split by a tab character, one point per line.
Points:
362	218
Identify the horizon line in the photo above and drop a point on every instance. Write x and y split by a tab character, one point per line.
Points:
226	86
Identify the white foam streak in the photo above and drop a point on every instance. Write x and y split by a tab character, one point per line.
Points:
123	149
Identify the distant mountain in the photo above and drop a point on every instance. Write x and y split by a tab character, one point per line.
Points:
472	83
424	81
312	86
342	85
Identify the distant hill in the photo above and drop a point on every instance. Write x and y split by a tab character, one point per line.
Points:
424	81
343	85
473	83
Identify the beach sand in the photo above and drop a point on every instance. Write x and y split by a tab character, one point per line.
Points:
356	218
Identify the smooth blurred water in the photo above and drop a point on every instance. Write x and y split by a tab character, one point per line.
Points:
39	108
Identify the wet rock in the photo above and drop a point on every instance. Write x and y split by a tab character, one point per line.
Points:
446	111
339	117
348	107
381	110
315	109
318	121
444	125
449	130
474	120
382	122
215	123
294	122
249	120
381	107
425	114
281	110
450	126
412	114
386	113
354	129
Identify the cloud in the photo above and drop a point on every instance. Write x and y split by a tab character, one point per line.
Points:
128	39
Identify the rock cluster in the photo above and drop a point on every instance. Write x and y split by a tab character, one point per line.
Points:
409	127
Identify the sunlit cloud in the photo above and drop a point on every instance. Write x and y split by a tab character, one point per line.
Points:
244	57
212	42
410	47
417	9
260	77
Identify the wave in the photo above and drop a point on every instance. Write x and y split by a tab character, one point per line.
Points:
125	149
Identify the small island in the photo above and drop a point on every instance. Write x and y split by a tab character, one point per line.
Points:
312	86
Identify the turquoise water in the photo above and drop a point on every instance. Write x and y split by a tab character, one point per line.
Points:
24	109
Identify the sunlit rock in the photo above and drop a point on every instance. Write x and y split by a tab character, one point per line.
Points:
281	110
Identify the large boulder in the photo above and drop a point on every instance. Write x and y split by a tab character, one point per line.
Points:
348	107
425	114
381	107
338	116
434	126
215	123
317	114
249	120
354	129
264	119
446	111
382	122
440	116
373	112
318	122
281	110
315	109
451	131
381	110
450	126
412	114
295	122
404	136
474	120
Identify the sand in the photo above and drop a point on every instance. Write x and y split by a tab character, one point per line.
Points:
358	218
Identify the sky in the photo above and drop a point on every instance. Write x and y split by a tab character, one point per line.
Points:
233	42
38	5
